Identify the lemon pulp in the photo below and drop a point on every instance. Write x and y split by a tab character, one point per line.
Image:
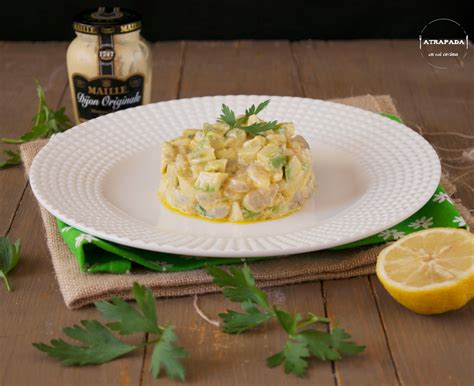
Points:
430	271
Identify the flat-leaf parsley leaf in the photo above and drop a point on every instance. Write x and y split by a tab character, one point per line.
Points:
9	257
99	345
228	116
14	158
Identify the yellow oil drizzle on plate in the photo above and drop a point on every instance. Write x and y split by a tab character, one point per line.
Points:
173	209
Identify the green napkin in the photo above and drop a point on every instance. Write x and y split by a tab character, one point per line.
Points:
96	255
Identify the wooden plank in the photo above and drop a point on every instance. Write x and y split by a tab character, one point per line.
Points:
35	310
428	350
21	65
241	67
213	68
217	358
352	304
167	64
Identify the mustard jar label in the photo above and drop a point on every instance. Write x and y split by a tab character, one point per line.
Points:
103	95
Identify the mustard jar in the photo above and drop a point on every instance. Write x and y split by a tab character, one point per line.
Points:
109	63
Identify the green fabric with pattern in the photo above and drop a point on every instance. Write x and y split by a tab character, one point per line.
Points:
96	255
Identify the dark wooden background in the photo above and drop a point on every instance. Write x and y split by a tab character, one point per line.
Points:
243	19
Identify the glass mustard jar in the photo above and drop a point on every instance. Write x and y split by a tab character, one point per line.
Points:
109	63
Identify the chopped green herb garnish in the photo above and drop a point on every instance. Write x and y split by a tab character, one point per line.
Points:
228	116
255	110
260	127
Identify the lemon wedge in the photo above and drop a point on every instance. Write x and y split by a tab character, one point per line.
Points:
431	271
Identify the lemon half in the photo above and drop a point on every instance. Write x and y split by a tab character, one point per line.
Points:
431	271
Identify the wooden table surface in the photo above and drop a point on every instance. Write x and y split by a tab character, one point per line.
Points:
403	348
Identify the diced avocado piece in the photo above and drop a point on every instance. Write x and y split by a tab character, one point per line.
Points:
210	182
246	156
217	165
248	214
271	157
220	128
293	169
278	161
200	210
201	140
256	142
250	148
200	155
216	140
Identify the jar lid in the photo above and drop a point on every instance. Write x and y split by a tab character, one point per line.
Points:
107	20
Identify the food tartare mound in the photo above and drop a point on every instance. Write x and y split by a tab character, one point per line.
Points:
239	169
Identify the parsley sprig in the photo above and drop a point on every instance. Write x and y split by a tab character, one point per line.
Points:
303	342
228	116
46	122
99	345
255	110
9	257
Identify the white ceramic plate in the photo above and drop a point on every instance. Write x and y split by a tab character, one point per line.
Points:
102	177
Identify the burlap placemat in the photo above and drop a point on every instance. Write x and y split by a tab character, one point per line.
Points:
79	289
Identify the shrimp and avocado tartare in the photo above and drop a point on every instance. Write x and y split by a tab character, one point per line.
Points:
239	169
